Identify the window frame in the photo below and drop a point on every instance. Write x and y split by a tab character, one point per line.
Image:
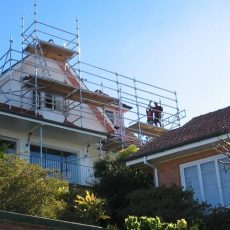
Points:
55	102
3	138
49	101
109	114
198	163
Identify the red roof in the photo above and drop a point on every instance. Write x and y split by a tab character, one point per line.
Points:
199	128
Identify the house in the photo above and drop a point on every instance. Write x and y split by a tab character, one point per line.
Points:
62	113
187	156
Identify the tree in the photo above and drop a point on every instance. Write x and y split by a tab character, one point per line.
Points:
114	181
29	189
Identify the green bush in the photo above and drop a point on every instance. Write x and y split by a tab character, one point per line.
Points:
169	203
28	189
121	155
90	209
218	218
149	223
114	181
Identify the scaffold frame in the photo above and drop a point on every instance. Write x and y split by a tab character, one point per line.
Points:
98	88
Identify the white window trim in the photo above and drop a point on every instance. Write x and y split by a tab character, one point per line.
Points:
219	183
199	162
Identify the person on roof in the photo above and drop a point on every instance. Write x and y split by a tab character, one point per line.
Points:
149	113
157	110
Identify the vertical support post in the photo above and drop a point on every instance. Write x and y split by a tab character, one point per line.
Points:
35	12
78	49
41	144
177	109
79	70
121	121
101	148
104	119
22	46
35	61
81	107
11	78
138	111
78	44
65	110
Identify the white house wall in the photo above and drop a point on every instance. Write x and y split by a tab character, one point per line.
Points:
89	119
86	156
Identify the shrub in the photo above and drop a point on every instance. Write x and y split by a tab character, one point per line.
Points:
149	223
28	189
218	218
121	155
169	203
114	181
90	209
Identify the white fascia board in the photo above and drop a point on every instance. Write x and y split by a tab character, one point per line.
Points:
51	124
184	148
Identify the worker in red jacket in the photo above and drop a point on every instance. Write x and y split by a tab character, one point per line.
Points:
157	110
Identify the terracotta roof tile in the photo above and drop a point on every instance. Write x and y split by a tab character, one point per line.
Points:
199	128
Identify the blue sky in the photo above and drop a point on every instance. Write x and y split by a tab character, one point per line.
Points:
175	44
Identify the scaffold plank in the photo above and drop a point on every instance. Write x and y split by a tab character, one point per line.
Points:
52	51
146	129
112	145
67	91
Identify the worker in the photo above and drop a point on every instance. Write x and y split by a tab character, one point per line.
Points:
157	110
149	113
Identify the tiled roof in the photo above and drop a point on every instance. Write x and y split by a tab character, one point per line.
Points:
199	128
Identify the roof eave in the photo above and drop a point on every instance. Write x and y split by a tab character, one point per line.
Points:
178	151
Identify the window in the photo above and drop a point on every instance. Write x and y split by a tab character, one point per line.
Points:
110	115
50	101
9	145
53	102
209	179
62	161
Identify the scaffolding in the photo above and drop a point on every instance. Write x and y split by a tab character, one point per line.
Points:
48	75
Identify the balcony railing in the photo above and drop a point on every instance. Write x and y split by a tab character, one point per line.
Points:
73	173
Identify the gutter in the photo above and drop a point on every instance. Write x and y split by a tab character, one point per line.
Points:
155	171
53	124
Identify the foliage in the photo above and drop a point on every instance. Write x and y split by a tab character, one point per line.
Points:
121	155
90	208
114	181
218	218
149	223
169	203
3	149
28	189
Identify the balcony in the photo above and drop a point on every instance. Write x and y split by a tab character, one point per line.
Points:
73	173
